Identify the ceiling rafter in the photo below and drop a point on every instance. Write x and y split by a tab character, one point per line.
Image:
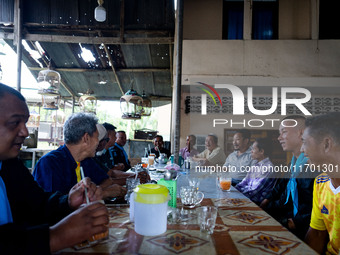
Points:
152	78
127	70
63	83
89	40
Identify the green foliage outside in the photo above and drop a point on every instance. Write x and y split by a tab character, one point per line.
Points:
106	112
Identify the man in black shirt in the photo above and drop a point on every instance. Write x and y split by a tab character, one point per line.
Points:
31	220
119	154
158	142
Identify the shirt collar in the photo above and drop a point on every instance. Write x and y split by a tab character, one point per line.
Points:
120	147
69	155
263	161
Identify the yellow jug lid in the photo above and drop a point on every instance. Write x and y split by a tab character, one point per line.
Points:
151	193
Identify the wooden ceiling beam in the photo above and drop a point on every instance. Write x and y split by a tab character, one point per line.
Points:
105	98
94	29
122	18
89	40
128	70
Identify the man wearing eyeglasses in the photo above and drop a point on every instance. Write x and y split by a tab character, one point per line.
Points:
118	176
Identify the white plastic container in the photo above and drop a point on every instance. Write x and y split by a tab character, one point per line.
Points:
149	209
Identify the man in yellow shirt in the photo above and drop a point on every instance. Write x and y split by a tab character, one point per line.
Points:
321	143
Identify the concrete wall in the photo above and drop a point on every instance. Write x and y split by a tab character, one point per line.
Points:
195	123
297	59
314	65
294	19
267	58
202	19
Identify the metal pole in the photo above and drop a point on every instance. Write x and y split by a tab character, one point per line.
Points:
176	91
73	103
18	4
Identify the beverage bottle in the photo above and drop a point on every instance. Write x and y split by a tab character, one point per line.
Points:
172	158
146	153
180	160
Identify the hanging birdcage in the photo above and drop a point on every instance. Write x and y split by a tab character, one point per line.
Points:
147	105
34	119
50	101
49	84
88	103
131	105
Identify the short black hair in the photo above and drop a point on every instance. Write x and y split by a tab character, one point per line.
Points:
193	139
6	89
294	117
326	124
109	126
215	138
300	120
161	137
245	133
264	144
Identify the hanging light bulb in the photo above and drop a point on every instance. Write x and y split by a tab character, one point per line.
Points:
131	105
147	105
100	12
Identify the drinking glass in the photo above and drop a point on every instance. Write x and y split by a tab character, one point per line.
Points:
131	184
190	196
151	161
223	182
206	218
194	182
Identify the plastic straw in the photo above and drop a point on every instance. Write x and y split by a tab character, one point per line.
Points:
83	177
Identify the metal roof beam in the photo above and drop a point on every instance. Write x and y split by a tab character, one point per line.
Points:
113	69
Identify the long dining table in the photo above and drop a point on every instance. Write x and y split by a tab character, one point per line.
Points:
241	227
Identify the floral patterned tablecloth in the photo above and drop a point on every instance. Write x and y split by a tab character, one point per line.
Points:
241	228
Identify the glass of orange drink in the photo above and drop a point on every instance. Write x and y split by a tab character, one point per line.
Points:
224	183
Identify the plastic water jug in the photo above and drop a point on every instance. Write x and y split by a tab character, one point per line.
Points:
149	209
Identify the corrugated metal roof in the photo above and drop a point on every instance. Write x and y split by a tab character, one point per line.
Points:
145	65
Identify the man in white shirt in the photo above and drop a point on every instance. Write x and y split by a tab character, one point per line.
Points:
213	155
241	156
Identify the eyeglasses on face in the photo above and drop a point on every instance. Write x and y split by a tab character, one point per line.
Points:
105	139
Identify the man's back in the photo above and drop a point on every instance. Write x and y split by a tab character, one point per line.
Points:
56	171
119	156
